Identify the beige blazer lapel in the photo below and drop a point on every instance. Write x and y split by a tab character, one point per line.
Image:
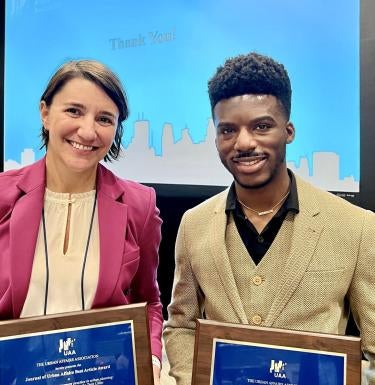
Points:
221	260
306	233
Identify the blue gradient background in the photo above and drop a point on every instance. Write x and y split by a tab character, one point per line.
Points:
317	41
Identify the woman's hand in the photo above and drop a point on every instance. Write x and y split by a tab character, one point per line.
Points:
156	371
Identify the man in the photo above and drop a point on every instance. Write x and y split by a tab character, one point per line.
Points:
271	250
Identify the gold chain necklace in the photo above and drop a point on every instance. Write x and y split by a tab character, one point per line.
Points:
266	212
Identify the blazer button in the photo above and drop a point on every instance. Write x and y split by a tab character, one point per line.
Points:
257	280
257	319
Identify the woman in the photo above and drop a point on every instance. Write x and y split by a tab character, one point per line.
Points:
73	236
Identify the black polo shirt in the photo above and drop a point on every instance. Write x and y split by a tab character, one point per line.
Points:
258	244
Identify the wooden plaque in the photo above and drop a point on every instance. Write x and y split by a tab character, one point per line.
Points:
237	352
103	346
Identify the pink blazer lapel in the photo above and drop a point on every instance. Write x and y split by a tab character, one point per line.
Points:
24	228
112	215
23	233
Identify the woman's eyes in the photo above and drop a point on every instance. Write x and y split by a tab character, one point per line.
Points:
105	120
73	111
102	119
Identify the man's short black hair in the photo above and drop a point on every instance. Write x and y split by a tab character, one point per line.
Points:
251	74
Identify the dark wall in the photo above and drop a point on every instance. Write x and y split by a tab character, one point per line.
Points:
367	102
173	201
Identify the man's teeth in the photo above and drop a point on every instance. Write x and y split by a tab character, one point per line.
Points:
252	162
81	146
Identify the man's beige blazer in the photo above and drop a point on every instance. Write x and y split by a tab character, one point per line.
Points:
329	266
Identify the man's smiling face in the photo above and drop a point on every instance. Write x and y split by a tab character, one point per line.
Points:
251	136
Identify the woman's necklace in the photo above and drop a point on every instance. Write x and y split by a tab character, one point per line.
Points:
84	257
265	212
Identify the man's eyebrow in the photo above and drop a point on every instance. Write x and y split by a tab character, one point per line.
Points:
225	124
263	117
251	121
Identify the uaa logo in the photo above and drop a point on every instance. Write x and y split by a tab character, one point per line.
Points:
278	368
66	346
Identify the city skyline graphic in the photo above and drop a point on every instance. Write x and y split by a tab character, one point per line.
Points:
186	162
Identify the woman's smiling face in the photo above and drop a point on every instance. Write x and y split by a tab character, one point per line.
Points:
81	122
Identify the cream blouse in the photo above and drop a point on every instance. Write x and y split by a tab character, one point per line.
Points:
65	270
